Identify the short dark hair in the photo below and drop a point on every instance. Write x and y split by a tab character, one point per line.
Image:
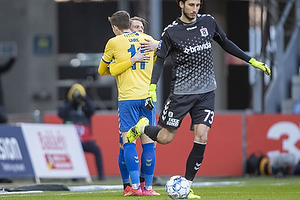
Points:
120	19
144	22
177	1
183	1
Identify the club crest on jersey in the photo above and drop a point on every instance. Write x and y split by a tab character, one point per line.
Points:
204	32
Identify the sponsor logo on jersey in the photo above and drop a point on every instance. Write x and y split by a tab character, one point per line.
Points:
197	48
204	32
173	122
191	28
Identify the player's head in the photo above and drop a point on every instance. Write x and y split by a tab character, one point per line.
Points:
138	24
120	19
201	1
189	8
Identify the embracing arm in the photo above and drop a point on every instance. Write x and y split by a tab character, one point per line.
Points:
150	45
119	68
103	68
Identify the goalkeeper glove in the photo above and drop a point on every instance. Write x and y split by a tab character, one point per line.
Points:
260	65
151	97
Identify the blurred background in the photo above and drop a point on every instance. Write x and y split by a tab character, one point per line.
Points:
58	43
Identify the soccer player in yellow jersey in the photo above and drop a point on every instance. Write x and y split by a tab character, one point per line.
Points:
137	24
132	80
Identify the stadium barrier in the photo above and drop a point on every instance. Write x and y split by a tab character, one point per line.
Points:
223	156
41	151
232	138
273	134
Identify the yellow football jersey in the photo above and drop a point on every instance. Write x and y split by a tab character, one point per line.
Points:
134	82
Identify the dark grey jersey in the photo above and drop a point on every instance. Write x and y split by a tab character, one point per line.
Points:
190	47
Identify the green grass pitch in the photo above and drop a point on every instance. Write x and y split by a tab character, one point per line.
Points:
253	188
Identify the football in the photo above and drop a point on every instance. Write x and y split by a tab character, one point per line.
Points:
177	187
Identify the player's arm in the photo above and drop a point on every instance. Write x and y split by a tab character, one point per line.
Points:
157	69
103	68
221	38
119	68
233	49
156	72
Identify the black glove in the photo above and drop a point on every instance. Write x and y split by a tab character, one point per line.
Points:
149	104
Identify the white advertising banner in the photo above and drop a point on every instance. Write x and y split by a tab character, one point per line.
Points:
55	150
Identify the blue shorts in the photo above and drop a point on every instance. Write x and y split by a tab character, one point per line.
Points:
130	111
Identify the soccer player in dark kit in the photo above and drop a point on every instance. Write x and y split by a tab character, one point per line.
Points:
188	40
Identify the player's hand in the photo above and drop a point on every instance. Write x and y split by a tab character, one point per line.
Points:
260	65
140	56
151	97
149	45
149	104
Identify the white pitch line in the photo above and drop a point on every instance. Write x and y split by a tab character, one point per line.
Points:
106	187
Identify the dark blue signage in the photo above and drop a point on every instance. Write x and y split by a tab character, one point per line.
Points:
14	157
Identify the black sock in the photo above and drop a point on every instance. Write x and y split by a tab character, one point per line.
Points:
194	161
152	131
142	179
125	185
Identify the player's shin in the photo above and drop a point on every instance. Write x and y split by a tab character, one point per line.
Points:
152	131
148	160
123	168
194	160
132	163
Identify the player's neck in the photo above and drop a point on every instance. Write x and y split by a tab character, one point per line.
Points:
120	32
187	20
126	31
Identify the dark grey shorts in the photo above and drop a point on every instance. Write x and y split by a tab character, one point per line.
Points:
199	106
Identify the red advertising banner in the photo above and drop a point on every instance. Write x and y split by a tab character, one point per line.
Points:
273	133
223	155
